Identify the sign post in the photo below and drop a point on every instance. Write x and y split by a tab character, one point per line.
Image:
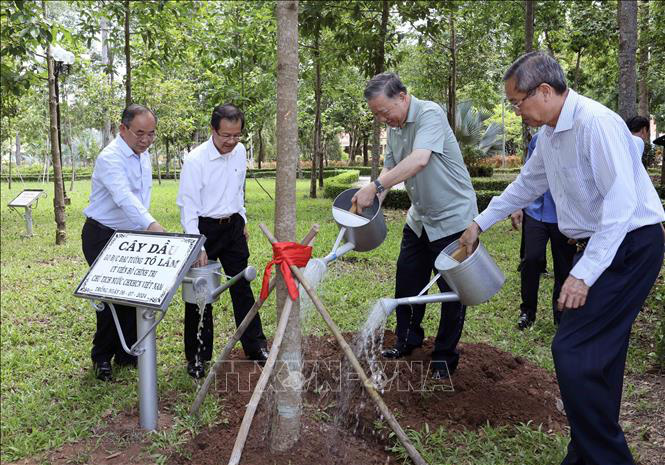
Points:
27	199
143	270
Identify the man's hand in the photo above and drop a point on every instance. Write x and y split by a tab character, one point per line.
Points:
573	293
155	227
470	237
364	197
245	231
516	219
201	260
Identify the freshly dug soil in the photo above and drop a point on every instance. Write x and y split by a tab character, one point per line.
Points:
340	423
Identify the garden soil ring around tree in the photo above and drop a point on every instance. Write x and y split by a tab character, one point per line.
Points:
489	387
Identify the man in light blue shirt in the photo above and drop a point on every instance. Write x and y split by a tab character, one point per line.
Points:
605	202
539	225
119	199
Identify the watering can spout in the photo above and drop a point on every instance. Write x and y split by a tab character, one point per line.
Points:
249	274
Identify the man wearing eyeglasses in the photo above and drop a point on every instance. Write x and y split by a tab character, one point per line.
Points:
607	205
212	202
120	198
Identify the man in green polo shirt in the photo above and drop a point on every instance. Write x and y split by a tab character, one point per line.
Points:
423	153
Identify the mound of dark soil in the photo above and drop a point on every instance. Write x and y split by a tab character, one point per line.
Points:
340	423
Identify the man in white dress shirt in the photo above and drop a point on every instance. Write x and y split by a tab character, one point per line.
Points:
120	198
211	201
608	205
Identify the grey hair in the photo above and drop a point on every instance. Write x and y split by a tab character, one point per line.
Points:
132	110
535	68
387	84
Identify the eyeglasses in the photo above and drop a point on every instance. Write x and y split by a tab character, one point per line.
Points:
229	136
147	136
530	93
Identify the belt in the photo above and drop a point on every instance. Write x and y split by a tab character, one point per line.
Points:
579	244
98	224
225	220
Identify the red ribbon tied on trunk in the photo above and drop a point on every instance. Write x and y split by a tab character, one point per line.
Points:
286	254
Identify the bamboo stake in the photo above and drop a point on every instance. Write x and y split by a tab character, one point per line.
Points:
385	411
242	327
260	385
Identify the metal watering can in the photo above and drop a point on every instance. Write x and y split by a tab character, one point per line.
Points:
207	279
473	279
362	232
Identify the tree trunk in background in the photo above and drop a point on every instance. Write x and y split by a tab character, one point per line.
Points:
452	78
260	159
642	84
106	127
577	70
128	63
321	158
18	158
627	17
287	400
379	64
58	184
365	158
529	7
317	117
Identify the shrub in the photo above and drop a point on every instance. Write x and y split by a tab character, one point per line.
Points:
483	198
485	184
338	184
481	171
397	199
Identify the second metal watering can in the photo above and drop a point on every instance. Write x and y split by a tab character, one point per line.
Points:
366	231
207	279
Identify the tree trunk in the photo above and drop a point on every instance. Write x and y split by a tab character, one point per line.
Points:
365	158
352	147
18	158
627	17
452	78
168	159
322	156
287	400
106	127
577	69
529	7
643	87
128	63
58	184
317	116
260	146
71	152
379	64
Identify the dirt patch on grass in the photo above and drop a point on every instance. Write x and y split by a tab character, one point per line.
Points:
643	417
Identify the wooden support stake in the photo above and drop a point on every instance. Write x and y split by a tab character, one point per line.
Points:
376	397
260	385
242	327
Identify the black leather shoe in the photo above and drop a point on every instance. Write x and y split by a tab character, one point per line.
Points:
524	321
103	371
260	356
397	352
196	369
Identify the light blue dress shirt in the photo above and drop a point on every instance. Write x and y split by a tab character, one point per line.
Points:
121	185
590	163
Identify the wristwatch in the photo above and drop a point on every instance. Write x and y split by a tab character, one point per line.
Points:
379	186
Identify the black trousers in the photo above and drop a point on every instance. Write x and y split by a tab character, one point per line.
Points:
226	243
414	270
590	346
106	343
536	235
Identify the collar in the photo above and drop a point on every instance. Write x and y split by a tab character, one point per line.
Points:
125	149
567	115
214	154
414	107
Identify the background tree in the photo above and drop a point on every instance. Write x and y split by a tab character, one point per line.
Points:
627	18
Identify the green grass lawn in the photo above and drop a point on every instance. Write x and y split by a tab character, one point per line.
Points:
50	396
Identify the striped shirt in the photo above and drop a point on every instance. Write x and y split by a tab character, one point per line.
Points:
602	192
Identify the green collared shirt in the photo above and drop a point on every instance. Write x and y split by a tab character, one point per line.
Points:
442	198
